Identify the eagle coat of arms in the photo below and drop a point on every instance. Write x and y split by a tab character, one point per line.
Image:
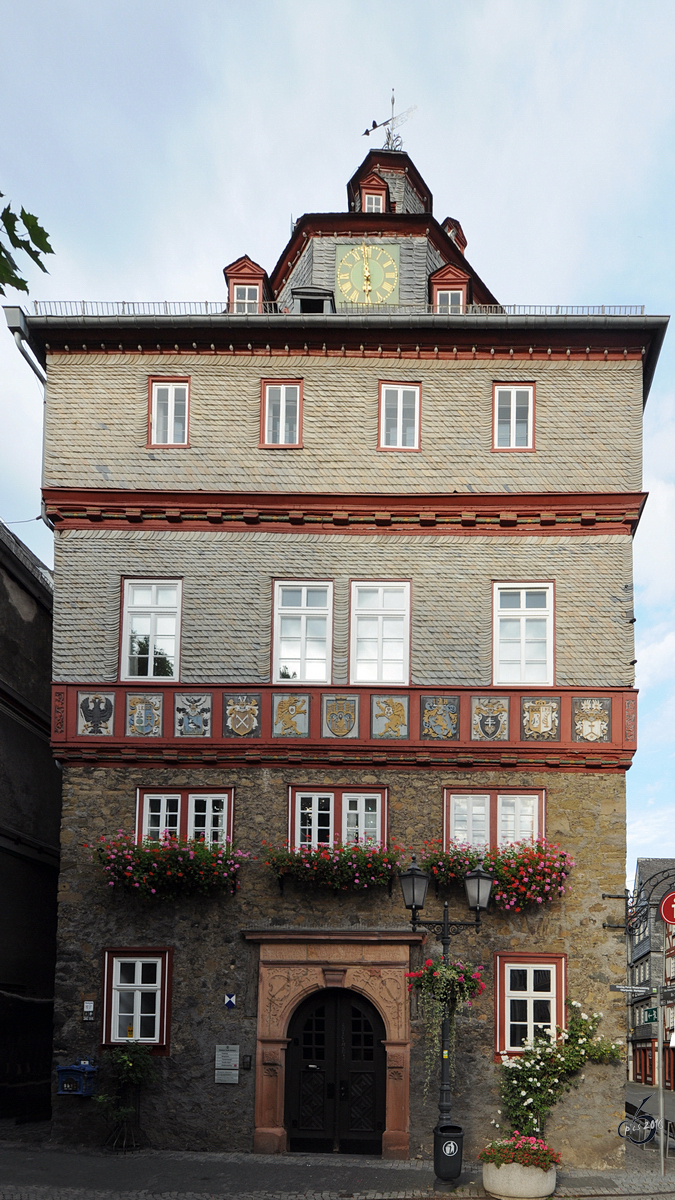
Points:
96	710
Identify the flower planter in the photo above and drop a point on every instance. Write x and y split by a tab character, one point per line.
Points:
513	1181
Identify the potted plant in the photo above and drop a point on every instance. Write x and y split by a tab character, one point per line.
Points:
441	988
519	1167
126	1069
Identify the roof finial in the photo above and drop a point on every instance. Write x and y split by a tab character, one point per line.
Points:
392	141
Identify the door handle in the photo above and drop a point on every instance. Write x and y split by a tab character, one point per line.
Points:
344	1089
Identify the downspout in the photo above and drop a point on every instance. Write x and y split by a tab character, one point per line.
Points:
35	367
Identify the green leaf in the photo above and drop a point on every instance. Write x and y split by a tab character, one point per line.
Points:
38	236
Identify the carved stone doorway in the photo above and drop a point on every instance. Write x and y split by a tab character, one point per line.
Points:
335	1074
296	963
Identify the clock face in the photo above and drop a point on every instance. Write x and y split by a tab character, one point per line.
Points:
366	274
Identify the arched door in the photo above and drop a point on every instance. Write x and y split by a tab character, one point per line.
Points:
336	1074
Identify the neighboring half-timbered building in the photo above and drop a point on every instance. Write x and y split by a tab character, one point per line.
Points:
347	556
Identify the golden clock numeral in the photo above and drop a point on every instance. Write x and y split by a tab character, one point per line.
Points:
387	287
354	297
390	275
379	297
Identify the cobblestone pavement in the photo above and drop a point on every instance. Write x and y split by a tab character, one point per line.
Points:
43	1172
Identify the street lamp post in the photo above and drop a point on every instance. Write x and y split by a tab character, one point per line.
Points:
477	885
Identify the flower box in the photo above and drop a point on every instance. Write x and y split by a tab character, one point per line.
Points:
359	867
167	869
526	874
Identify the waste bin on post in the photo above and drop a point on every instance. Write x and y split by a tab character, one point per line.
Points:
448	1140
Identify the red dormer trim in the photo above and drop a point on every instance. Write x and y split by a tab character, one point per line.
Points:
455	232
397	162
374	185
250	274
449	278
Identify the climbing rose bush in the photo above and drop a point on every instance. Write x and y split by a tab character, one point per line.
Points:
169	868
526	873
356	867
528	1151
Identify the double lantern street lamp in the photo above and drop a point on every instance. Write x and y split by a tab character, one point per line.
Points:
478	886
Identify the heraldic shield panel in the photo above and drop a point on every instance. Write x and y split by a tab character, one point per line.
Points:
192	715
592	719
389	716
144	715
340	716
540	718
489	719
439	717
241	715
290	716
95	713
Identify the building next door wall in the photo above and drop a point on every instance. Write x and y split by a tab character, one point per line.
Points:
294	965
336	1074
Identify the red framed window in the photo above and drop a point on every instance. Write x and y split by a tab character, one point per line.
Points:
151	612
529	998
137	996
322	816
206	814
168	410
399	416
281	413
448	299
493	817
513	416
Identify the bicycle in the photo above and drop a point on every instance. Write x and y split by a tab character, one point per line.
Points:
640	1128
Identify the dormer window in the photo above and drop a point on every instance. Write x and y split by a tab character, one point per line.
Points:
373	203
246	299
449	302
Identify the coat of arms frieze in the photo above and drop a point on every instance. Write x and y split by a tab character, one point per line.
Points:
340	716
95	713
439	717
489	719
540	718
241	715
592	719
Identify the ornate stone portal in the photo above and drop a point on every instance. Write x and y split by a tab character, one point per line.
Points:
295	963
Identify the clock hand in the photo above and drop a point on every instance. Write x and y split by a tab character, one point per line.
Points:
367	287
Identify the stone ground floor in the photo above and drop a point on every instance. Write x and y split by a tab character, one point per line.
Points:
36	1171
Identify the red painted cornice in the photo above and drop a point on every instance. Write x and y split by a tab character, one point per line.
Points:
464	513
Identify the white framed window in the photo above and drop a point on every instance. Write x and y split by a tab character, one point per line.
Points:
320	818
513	417
246	298
517	818
303	620
314	819
208	818
399	416
470	819
380	633
136	996
169	412
373	203
151	629
161	814
361	817
523	633
530	996
281	418
450	301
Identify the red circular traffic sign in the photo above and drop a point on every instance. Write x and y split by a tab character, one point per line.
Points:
667	909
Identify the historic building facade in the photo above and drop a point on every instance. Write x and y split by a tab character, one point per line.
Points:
348	556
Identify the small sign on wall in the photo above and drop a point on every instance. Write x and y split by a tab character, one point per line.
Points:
227	1064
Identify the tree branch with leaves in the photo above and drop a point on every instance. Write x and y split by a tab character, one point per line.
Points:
23	233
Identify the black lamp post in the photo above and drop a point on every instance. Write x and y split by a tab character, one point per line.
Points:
477	885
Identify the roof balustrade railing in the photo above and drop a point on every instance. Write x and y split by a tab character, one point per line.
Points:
216	308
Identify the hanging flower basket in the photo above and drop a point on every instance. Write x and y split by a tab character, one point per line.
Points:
442	988
169	868
527	874
519	1166
357	868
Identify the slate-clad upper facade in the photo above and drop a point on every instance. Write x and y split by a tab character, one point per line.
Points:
353	544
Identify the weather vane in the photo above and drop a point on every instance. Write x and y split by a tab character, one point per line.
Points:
392	141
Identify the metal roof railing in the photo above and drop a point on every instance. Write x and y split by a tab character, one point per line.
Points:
216	308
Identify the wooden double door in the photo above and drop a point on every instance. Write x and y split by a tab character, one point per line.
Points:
336	1075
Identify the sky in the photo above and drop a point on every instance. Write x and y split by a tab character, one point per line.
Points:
157	141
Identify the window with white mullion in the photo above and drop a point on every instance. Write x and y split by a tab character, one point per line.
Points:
513	418
150	628
380	633
207	818
517	818
282	405
361	817
303	629
399	417
523	651
449	302
245	298
169	414
373	203
136	999
470	819
314	817
530	1003
161	815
